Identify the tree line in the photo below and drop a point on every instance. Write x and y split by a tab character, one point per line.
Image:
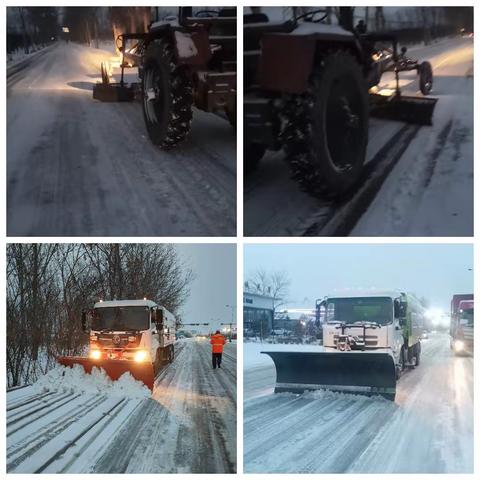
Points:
48	286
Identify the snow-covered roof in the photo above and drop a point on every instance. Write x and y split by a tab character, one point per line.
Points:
125	303
367	293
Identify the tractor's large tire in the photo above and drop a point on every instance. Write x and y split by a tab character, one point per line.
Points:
252	154
425	77
325	130
167	96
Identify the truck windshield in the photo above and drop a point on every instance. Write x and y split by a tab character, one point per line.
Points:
121	318
360	310
467	316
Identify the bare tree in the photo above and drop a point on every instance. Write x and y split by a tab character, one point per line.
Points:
272	284
48	286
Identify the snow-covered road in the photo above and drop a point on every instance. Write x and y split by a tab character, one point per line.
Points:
76	166
429	428
430	190
189	424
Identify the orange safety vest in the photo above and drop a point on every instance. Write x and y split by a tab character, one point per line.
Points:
217	341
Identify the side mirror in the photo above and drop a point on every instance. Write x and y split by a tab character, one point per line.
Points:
84	321
159	318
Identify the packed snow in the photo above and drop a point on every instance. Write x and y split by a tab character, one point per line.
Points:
428	429
189	425
77	166
70	422
75	379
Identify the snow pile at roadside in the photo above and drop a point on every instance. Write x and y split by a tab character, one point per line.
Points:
75	379
253	358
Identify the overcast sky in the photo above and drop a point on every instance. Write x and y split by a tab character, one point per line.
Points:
434	271
215	284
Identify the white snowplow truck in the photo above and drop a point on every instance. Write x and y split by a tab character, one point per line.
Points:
369	340
135	336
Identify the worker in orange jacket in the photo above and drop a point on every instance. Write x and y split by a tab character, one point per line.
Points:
218	341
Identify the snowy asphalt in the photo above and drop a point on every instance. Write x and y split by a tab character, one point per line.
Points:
189	424
80	167
430	190
429	428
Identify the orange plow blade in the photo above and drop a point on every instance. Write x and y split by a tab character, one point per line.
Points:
114	368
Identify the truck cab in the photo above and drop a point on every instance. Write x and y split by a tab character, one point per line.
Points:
461	326
385	321
138	330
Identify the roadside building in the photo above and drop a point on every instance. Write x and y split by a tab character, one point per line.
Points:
257	314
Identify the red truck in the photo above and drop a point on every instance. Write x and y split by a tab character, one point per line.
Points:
461	324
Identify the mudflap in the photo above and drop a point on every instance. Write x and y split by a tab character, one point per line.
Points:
365	373
114	92
114	368
415	110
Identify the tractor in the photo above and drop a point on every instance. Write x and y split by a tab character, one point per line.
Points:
309	89
186	62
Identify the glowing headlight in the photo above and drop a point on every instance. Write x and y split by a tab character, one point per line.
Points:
95	354
459	345
141	356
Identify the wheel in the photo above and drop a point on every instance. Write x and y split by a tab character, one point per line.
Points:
167	96
252	154
418	351
425	77
325	131
104	72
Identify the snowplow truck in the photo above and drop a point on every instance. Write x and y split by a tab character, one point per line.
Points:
134	336
368	341
183	63
461	324
309	88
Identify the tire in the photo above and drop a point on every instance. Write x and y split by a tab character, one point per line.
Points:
418	352
167	96
252	154
425	77
325	131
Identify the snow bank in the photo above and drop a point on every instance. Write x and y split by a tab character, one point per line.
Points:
75	379
252	357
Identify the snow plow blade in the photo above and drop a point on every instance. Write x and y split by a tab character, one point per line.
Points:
362	373
415	110
114	368
113	92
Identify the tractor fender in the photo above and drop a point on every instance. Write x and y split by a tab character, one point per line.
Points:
287	59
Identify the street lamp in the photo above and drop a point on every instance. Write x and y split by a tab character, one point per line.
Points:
233	307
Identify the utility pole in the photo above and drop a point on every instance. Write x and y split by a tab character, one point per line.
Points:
233	308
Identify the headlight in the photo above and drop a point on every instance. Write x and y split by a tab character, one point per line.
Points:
459	345
140	356
95	354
